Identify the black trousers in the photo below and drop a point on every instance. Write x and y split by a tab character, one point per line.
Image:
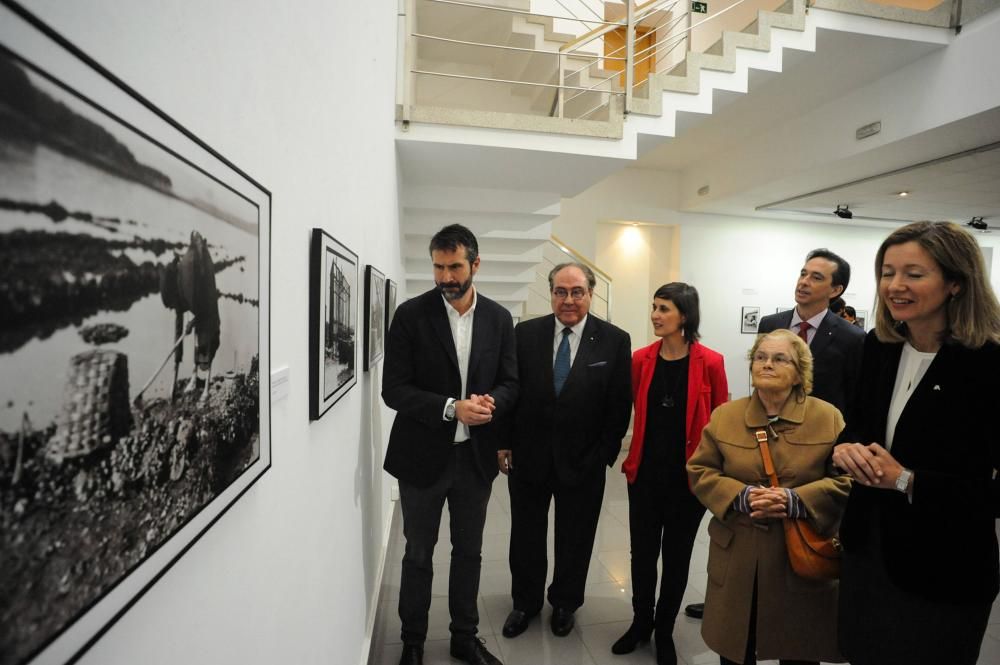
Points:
577	509
662	521
750	658
467	494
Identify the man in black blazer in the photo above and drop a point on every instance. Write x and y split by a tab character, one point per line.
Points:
836	345
574	409
451	375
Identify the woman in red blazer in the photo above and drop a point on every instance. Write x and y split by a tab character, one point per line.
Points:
676	382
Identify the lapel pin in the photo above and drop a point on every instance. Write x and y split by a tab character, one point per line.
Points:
937	387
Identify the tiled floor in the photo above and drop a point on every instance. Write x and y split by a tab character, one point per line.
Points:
603	618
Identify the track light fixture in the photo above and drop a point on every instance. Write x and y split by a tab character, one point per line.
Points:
978	224
843	211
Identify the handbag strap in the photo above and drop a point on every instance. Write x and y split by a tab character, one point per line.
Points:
765	453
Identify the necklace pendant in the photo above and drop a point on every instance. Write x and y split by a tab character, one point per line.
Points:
668	402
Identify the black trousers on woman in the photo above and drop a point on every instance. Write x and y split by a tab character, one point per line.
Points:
750	658
663	521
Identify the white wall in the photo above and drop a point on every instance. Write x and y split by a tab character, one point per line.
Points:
302	100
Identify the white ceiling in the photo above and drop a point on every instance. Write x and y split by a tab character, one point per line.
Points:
955	189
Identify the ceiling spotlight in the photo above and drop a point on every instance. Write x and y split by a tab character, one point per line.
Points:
978	224
903	194
843	211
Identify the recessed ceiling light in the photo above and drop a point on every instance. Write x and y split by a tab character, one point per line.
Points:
903	194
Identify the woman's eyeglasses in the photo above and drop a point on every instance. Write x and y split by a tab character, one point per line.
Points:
760	358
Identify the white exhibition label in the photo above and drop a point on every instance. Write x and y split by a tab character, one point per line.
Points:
279	384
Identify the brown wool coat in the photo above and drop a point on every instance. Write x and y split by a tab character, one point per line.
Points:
796	618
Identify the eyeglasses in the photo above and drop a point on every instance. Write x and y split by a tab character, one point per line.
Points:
575	294
760	358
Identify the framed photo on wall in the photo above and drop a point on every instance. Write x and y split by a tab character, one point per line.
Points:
390	302
862	318
333	322
749	318
779	310
375	316
139	288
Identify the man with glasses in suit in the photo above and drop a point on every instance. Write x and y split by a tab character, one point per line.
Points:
574	407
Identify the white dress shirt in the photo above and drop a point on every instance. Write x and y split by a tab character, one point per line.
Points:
813	323
574	339
913	365
461	334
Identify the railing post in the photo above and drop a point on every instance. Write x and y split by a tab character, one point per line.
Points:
410	57
561	92
687	33
629	53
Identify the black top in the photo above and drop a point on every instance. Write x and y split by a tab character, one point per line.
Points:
663	448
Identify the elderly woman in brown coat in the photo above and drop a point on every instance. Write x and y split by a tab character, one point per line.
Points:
755	605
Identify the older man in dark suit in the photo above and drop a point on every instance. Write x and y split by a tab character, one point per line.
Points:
836	345
450	374
574	409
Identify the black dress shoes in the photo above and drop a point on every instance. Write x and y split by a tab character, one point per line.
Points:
516	623
695	610
562	622
413	654
473	651
633	637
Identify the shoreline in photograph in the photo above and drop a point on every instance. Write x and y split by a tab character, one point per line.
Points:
71	529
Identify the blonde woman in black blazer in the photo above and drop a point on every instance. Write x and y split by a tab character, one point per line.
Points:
920	570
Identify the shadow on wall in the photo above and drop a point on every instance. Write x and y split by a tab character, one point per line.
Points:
368	486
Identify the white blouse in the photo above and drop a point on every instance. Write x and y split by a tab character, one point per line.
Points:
912	366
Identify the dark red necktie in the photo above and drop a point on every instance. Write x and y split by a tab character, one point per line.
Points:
804	330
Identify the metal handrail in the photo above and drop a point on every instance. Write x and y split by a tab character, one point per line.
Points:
493	80
508	10
588	7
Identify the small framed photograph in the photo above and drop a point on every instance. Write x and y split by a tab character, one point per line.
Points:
333	306
861	319
375	313
390	302
749	318
779	310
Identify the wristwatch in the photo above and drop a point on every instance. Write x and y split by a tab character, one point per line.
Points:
449	410
903	480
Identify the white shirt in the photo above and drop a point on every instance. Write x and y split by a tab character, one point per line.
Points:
813	323
913	365
574	339
461	334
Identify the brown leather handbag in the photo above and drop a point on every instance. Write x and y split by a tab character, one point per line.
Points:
811	556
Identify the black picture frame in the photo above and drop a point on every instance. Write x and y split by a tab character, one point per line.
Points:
174	227
390	303
333	319
374	316
749	319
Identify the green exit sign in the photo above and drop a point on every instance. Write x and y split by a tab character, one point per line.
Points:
699	7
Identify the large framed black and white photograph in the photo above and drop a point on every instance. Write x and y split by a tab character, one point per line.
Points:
374	316
333	307
134	363
749	319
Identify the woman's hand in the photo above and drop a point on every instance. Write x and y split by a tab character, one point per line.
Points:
768	503
871	465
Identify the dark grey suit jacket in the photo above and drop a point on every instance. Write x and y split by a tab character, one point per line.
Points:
836	348
581	429
421	373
